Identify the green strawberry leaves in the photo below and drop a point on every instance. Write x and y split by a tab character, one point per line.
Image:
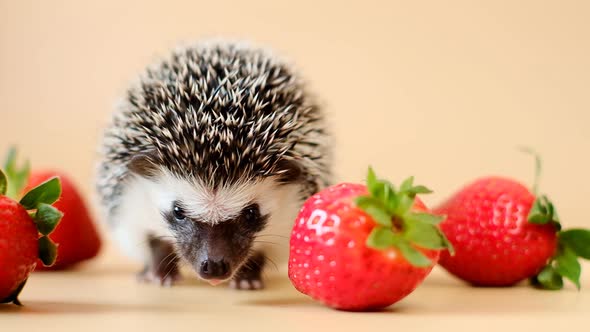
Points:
548	278
577	240
47	217
409	188
46	193
382	238
427	236
413	255
47	251
37	202
397	225
3	183
567	265
375	208
543	212
17	176
572	243
425	218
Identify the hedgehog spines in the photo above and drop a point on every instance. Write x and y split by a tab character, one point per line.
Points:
219	112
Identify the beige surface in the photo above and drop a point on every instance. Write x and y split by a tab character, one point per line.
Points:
443	90
107	298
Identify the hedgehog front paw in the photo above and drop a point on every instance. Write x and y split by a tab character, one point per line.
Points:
152	276
163	267
249	276
246	284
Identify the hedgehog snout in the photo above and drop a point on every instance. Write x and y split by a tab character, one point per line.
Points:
217	260
214	270
216	251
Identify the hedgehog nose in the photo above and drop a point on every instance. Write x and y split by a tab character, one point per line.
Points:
211	269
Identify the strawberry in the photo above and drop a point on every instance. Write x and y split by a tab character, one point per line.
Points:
18	235
77	234
503	233
20	225
356	247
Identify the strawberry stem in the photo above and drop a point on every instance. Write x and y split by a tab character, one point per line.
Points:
538	165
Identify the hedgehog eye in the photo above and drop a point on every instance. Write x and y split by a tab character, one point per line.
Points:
178	212
251	213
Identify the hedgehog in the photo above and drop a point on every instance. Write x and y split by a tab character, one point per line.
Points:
206	161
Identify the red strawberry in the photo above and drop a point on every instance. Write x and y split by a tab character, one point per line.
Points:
20	225
76	235
359	248
495	244
18	246
503	234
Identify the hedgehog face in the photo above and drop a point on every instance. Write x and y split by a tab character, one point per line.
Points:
215	249
215	230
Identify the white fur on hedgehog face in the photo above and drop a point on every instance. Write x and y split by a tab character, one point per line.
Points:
207	205
145	200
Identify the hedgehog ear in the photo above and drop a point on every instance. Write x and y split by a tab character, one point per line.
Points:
143	164
289	171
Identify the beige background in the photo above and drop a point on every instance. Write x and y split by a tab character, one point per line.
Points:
443	90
